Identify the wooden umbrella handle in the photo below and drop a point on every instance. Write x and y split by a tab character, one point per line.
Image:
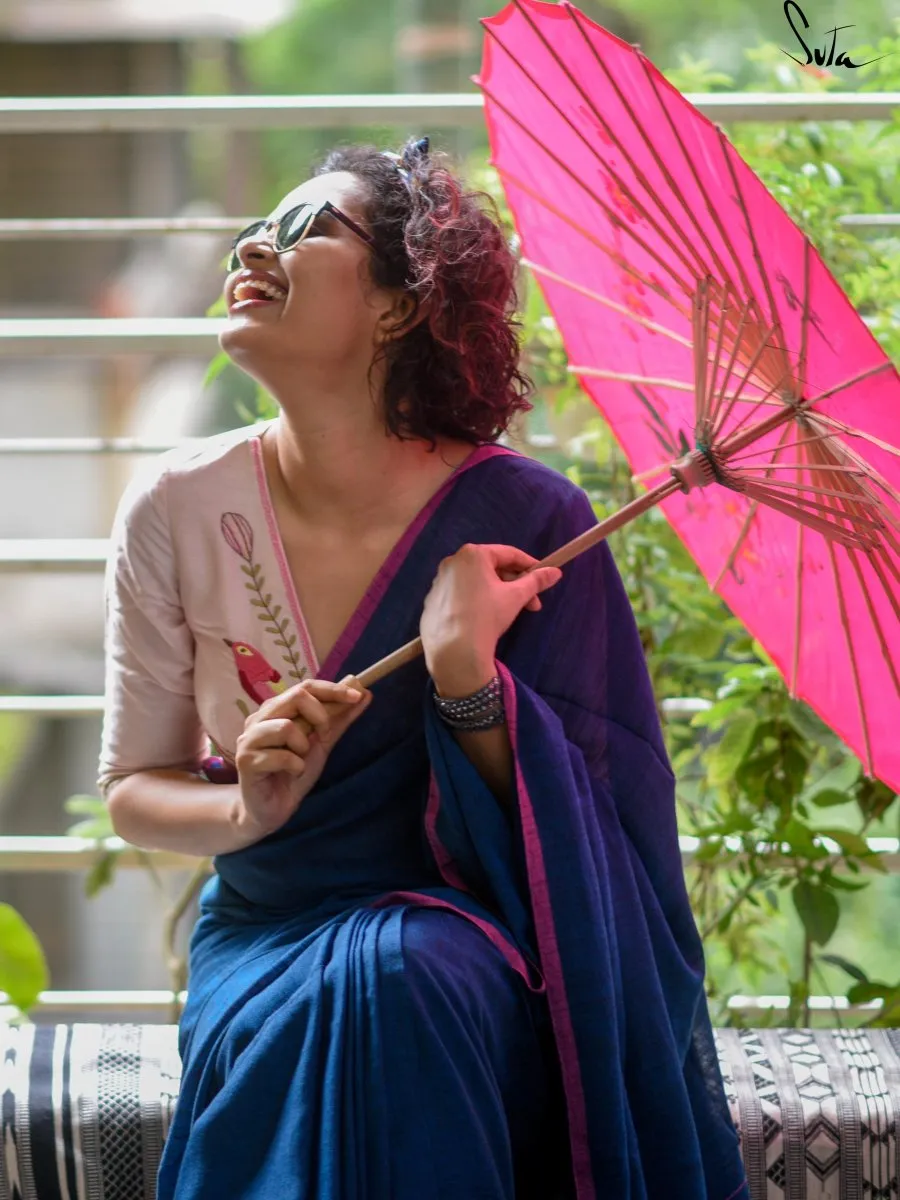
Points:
564	554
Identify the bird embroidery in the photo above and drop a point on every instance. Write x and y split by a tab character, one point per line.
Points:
258	678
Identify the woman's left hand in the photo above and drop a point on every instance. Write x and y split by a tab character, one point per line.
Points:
471	605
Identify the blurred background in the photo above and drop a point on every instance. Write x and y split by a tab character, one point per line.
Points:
51	631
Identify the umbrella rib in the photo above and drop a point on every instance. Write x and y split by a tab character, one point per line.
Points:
798	612
666	173
802	466
851	431
851	649
820	491
620	183
706	381
804	324
794	445
893	599
856	510
638	129
829	529
867	595
839	387
748	520
653	326
735	347
760	266
614	255
614	218
711	208
800	503
868	473
700	327
678	385
755	401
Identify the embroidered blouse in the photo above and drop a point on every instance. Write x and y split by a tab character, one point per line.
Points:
202	619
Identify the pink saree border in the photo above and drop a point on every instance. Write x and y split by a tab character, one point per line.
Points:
551	963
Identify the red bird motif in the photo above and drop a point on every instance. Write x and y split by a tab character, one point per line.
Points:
258	679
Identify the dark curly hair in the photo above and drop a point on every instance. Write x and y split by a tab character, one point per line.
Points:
455	373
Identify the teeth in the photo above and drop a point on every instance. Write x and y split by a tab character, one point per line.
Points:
246	289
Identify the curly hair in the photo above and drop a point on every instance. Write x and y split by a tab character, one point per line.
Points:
455	373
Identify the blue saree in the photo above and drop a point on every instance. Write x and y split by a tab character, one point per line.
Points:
409	993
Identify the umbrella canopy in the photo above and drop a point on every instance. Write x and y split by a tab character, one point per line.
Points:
705	327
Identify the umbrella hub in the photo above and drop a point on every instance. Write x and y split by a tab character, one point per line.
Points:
700	468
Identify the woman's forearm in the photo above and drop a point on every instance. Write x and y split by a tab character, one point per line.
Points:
175	810
488	750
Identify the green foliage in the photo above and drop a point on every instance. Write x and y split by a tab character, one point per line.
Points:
23	968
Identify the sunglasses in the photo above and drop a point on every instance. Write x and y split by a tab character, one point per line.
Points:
292	228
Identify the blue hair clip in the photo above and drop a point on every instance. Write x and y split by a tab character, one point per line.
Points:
408	159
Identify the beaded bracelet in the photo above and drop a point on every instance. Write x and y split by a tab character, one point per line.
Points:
480	710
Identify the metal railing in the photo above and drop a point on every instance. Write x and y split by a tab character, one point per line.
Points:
198	337
454	110
61	853
136	1003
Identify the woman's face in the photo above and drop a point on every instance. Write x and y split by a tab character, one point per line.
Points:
322	307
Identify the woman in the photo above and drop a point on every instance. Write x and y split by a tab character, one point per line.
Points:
447	950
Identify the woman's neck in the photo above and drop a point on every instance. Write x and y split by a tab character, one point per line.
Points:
342	475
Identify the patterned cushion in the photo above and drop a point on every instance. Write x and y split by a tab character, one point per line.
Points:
84	1110
817	1110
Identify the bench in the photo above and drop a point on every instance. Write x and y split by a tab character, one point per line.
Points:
85	1109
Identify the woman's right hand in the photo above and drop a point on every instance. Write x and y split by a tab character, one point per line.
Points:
278	763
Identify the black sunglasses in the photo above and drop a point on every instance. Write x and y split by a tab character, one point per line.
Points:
292	228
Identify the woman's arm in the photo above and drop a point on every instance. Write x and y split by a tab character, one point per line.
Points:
177	810
488	750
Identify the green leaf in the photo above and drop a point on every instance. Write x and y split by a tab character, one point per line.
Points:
837	961
96	828
841	778
101	874
829	798
850	843
818	909
216	367
704	641
846	885
88	806
863	993
800	839
23	968
725	757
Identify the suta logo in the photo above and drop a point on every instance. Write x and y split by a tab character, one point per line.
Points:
820	55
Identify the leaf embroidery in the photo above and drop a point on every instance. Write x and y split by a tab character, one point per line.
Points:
238	533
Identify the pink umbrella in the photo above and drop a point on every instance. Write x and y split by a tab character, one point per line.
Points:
705	327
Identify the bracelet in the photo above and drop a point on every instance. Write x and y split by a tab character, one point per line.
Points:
480	710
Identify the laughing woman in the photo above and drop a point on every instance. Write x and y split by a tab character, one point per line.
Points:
447	949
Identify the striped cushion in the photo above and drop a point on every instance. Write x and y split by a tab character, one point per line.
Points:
86	1108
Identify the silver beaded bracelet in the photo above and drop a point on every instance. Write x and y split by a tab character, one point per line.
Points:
481	710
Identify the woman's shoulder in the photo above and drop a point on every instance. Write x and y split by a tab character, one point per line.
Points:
522	479
196	461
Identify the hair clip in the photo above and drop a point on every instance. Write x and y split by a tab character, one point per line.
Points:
414	153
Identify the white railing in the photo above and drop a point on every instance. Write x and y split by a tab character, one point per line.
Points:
198	337
62	853
131	1005
38	337
102	114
